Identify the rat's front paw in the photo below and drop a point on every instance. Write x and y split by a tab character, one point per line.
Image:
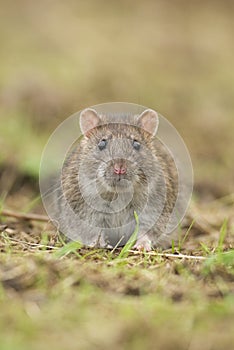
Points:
143	243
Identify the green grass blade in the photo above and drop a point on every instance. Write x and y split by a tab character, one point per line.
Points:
223	233
132	240
205	248
69	248
182	241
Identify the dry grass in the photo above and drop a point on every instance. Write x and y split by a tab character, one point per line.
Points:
76	297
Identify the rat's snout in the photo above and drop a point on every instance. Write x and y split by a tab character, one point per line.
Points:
120	167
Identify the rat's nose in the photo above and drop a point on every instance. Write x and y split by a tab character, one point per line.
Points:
120	169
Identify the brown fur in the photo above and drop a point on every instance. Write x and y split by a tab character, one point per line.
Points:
151	172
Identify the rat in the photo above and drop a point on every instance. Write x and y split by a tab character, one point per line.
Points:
118	169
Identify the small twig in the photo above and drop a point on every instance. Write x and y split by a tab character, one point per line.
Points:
167	255
38	245
24	216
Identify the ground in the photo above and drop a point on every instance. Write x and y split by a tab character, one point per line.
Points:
72	297
58	58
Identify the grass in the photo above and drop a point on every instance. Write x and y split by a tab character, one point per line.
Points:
182	238
74	297
126	322
132	240
67	249
223	233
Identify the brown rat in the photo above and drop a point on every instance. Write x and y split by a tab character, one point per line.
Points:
117	168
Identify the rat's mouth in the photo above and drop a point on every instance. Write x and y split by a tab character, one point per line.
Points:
121	181
116	182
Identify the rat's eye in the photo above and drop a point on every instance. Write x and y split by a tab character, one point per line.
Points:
102	144
136	145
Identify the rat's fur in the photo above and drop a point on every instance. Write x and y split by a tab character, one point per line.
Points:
96	206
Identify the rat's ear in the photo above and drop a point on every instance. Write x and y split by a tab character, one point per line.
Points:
89	119
148	120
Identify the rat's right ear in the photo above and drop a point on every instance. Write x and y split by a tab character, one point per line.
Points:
89	119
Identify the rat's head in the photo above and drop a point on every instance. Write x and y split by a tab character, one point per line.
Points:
118	149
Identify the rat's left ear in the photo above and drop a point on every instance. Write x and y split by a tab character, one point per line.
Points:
148	120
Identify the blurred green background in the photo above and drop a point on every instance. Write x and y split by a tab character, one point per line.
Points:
176	57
